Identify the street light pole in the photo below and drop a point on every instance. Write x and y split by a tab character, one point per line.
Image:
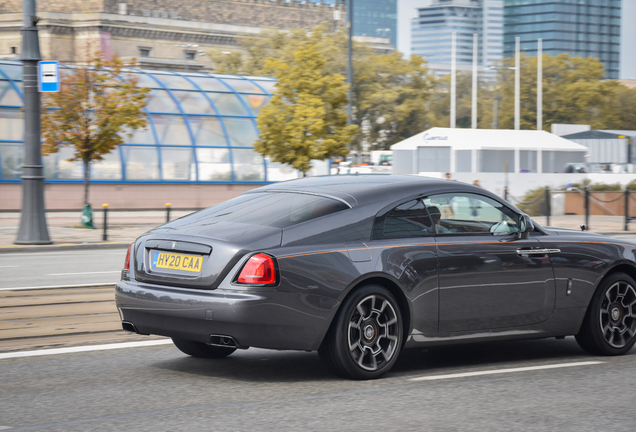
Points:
350	61
517	83
33	228
474	107
540	84
453	79
185	54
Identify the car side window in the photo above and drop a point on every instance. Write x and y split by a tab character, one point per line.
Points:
467	213
410	219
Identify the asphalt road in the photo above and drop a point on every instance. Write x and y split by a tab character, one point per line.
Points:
40	269
160	389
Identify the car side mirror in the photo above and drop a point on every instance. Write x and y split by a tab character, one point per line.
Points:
525	226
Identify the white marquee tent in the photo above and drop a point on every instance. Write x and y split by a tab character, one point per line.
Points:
440	150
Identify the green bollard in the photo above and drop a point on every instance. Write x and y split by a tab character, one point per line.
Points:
87	216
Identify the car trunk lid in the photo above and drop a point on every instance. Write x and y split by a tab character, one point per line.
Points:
198	256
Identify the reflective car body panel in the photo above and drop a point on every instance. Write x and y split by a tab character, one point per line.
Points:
485	283
451	286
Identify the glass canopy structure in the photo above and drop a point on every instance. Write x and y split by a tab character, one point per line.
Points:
201	129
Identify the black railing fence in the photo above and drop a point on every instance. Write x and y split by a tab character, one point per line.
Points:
542	204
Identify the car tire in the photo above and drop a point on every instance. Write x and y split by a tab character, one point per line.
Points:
201	350
366	336
609	326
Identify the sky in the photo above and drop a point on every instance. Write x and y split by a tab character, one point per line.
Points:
407	10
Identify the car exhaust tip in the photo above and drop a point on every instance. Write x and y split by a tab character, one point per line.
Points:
223	341
130	327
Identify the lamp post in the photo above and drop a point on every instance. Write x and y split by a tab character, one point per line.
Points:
350	61
517	83
185	53
474	101
33	228
540	84
453	79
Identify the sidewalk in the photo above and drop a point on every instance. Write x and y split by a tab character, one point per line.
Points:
65	229
126	226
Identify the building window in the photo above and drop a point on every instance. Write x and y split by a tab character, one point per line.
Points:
14	50
144	52
190	55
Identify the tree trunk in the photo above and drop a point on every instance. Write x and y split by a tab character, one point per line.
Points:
86	180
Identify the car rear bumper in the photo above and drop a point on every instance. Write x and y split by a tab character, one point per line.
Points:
264	318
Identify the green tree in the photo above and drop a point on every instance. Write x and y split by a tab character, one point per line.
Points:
305	119
96	104
440	102
574	91
390	94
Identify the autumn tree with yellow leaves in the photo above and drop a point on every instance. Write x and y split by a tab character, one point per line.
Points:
95	105
306	118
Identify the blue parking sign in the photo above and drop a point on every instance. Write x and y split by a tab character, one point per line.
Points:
49	76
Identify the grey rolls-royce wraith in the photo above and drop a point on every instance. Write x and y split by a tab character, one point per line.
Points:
359	267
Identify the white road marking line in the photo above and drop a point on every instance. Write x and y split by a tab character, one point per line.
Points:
502	371
93	285
8	267
71	350
5	427
84	273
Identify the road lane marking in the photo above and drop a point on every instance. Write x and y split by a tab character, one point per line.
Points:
8	267
71	350
503	371
93	285
84	273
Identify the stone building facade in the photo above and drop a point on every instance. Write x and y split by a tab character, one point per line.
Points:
160	34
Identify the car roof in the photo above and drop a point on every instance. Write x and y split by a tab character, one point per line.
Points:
360	189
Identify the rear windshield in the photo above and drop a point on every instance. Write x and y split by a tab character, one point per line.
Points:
280	210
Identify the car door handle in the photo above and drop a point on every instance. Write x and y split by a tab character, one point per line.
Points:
537	251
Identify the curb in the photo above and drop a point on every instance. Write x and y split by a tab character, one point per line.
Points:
63	247
57	287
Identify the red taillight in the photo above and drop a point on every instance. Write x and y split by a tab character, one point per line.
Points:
127	260
259	269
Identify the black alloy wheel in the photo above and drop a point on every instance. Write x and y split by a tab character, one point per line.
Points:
201	350
609	327
366	336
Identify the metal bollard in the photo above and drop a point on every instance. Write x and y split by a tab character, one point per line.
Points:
105	234
168	212
587	208
548	205
626	209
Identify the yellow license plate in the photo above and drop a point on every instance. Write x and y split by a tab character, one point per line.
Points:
173	261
